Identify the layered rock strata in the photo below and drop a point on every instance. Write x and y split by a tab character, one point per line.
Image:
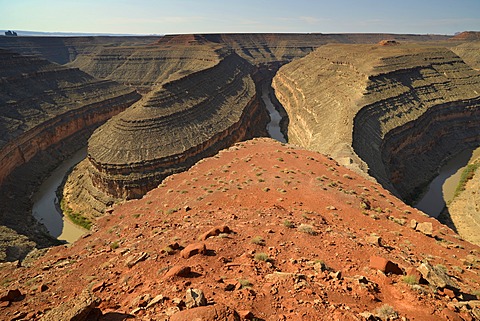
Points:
172	128
47	111
402	109
43	103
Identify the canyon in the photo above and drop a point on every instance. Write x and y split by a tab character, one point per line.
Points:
396	106
163	117
48	111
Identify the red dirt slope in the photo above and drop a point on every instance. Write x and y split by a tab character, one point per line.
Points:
265	231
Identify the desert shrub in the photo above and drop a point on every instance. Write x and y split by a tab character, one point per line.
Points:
308	229
386	311
258	240
288	224
261	257
245	283
410	279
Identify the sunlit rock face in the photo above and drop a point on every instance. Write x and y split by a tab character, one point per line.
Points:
399	111
174	127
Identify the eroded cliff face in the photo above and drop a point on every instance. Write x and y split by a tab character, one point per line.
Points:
402	109
43	103
46	112
145	67
172	128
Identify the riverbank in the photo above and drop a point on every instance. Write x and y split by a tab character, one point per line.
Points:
46	204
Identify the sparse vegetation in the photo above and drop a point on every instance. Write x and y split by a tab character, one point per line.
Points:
467	174
258	240
245	283
261	257
386	311
114	245
308	229
410	279
288	224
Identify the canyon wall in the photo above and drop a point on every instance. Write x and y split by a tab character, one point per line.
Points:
43	103
403	109
47	111
171	129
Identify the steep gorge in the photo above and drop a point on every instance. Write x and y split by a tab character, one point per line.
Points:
402	109
168	131
47	112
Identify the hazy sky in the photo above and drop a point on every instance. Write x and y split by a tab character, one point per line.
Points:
213	16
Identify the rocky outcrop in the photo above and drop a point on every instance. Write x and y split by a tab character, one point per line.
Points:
404	109
174	127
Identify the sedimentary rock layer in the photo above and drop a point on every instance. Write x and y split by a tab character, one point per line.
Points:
403	109
43	103
174	127
46	112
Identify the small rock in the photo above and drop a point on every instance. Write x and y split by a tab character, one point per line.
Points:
178	270
374	240
79	308
384	265
12	295
425	228
134	259
193	249
97	287
413	224
335	275
159	298
229	287
215	231
187	208
245	314
413	272
449	293
450	315
195	298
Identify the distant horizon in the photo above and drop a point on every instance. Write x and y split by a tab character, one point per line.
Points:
161	17
33	33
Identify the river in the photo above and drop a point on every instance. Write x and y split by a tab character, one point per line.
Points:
45	202
273	127
441	189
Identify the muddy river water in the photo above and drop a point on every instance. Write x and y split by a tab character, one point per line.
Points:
45	202
441	189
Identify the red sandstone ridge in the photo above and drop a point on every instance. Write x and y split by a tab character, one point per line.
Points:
261	230
467	36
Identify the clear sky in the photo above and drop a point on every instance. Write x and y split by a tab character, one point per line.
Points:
215	16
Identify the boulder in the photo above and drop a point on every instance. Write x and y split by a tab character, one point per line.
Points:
384	265
215	231
178	271
11	295
195	298
425	228
193	249
434	275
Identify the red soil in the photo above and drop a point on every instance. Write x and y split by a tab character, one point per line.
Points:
298	208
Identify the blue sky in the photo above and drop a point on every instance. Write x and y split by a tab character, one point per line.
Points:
214	16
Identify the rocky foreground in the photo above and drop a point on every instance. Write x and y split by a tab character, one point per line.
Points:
260	231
